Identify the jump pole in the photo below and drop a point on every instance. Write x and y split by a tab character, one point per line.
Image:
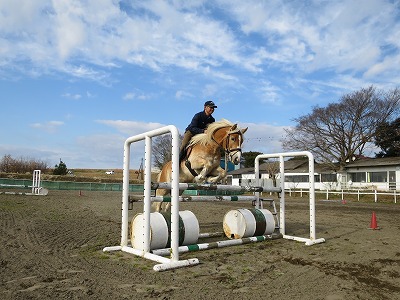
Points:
215	187
204	198
308	241
219	244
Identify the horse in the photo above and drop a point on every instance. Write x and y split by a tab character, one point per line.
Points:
203	155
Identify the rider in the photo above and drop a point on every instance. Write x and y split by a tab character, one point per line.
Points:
197	125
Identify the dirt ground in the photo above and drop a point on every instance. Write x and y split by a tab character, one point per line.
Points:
51	248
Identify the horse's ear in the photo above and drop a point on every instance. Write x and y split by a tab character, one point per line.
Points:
244	130
233	128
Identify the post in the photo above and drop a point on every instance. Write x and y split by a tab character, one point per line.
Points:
36	182
147	194
312	195
309	241
175	195
125	195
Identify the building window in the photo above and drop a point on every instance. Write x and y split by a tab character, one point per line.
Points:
328	178
297	178
377	176
358	177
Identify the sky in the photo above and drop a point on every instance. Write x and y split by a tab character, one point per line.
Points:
77	78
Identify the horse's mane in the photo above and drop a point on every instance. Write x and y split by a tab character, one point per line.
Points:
205	138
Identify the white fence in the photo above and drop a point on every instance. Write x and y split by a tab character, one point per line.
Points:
333	194
332	186
327	190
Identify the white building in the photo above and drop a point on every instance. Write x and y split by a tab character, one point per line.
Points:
367	173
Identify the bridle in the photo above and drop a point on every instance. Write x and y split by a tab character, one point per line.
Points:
225	144
231	152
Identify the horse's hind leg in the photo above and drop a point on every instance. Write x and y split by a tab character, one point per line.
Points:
158	206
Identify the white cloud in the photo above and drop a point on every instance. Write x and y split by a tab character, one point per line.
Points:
263	137
100	150
50	127
182	95
138	95
128	96
72	96
341	35
28	152
130	127
269	93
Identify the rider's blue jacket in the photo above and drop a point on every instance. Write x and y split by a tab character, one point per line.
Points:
200	122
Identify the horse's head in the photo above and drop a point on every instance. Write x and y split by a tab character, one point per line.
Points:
233	143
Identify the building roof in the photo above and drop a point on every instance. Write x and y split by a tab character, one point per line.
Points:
374	162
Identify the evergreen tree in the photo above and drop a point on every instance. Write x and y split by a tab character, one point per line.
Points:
249	158
60	169
387	137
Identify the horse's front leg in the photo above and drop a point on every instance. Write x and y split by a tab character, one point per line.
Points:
201	177
218	175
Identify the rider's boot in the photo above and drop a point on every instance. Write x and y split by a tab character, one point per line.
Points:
182	154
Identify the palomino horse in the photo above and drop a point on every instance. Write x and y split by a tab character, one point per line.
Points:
203	157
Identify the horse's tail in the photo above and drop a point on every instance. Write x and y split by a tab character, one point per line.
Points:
163	176
165	173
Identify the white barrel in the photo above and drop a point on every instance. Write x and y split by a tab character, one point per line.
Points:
242	223
160	230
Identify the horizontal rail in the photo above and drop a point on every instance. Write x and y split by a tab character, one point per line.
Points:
136	198
214	187
204	198
220	244
17	185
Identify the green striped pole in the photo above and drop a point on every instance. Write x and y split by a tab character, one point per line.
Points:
204	198
214	187
220	244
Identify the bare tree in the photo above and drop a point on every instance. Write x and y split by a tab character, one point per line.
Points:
342	130
162	149
8	164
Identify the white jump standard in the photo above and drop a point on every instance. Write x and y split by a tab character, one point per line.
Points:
258	233
308	241
37	190
165	263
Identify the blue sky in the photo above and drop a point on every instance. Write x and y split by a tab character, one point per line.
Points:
79	77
